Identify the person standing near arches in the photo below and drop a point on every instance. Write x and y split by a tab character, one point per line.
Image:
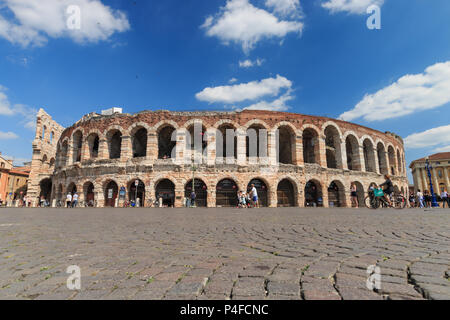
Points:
354	195
254	194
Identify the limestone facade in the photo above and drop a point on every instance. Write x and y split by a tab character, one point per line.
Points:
302	160
440	173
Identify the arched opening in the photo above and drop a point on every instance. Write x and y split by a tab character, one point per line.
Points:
286	194
201	192
195	134
381	153
93	142
44	161
369	156
59	193
256	142
89	194
399	162
333	148
310	146
336	195
286	145
391	156
114	144
44	129
139	142
51	137
313	194
226	142
165	193
136	192
77	146
166	143
46	189
72	188
261	188
111	192
360	193
62	159
52	163
352	149
226	193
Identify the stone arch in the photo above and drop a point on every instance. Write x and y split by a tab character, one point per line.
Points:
190	127
201	192
311	145
369	154
167	140
313	193
226	193
286	135
360	193
257	139
111	192
89	193
114	139
336	194
333	146
381	154
353	154
138	192
263	188
93	143
77	144
45	186
287	192
226	133
139	138
391	157
257	122
399	162
165	192
226	121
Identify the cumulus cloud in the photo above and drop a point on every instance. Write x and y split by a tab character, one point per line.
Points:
242	23
26	22
437	137
8	135
245	91
275	105
285	7
27	114
410	94
250	63
350	6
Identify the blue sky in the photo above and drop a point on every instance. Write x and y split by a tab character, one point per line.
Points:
309	56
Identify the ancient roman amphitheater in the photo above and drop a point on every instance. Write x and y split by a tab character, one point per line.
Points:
292	159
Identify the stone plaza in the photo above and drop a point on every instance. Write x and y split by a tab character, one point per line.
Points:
222	254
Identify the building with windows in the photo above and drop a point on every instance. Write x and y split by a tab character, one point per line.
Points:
440	172
292	159
13	181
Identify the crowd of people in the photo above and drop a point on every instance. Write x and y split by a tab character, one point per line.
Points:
248	199
425	199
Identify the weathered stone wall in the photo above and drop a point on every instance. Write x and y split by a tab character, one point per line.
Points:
100	169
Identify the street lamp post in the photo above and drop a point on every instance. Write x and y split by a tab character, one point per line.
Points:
434	203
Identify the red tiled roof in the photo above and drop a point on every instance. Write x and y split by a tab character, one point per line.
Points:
437	156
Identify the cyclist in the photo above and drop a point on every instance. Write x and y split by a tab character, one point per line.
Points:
389	188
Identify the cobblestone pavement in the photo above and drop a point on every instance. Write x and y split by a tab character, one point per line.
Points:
224	253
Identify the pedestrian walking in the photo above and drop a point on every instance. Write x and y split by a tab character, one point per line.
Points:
254	196
193	196
445	199
75	200
69	200
354	195
420	198
412	200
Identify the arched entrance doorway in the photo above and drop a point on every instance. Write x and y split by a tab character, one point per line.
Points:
72	188
286	194
360	193
313	194
201	192
111	192
165	193
137	192
226	193
336	195
46	189
261	188
89	195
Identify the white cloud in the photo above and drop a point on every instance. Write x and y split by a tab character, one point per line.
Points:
249	63
442	149
439	136
350	6
8	135
244	91
275	105
410	94
241	22
27	114
233	80
285	7
33	22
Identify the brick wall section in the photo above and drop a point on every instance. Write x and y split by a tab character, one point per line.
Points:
101	170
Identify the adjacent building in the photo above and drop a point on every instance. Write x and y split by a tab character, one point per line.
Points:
440	172
13	180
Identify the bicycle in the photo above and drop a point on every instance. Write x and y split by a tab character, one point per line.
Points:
374	202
